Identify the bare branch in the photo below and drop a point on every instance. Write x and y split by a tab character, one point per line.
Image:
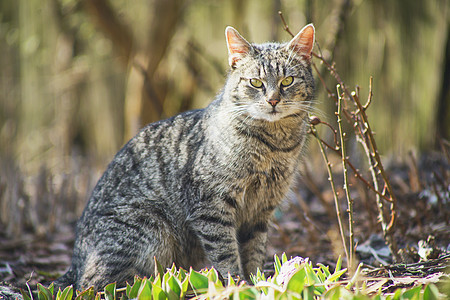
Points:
286	27
346	186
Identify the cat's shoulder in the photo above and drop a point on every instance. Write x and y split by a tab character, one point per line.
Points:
156	132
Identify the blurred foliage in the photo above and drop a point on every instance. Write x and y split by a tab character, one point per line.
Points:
81	77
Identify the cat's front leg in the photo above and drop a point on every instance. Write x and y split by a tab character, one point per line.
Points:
252	240
217	234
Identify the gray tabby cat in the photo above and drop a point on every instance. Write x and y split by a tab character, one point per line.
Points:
200	188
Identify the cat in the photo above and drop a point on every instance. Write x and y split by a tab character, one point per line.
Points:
200	188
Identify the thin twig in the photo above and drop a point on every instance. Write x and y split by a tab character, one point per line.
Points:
369	98
368	134
286	27
342	135
335	193
356	172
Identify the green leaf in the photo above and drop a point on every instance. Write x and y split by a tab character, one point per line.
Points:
42	296
308	293
338	264
51	287
159	270
246	294
128	289
158	293
145	290
431	292
258	277
338	293
181	274
320	274
174	288
184	287
325	269
297	281
231	281
198	281
25	294
134	290
157	281
213	276
173	270
66	294
397	294
277	265
311	275
110	291
284	258
336	275
313	279
165	278
413	294
88	294
44	293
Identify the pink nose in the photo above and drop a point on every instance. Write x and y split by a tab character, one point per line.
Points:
273	102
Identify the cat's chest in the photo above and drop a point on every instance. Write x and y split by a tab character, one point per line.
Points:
258	193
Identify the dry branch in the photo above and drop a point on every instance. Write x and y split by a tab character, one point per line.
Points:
342	135
363	132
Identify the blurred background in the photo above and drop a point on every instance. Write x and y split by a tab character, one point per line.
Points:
78	78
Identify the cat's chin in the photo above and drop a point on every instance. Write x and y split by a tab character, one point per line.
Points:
272	116
269	115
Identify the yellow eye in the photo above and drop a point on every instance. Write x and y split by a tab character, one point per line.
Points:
287	81
256	83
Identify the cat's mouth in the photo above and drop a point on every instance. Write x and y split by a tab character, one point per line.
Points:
274	111
273	114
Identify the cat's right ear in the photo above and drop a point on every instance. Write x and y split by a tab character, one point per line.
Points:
303	42
238	47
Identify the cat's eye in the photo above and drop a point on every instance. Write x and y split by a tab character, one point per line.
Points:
287	81
256	83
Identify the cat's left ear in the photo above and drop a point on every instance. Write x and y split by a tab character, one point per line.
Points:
303	42
238	47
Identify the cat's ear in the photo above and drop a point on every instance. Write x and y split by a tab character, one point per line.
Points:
303	42
238	47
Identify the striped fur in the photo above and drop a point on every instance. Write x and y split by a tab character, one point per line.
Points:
200	188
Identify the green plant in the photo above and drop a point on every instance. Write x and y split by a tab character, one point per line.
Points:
296	278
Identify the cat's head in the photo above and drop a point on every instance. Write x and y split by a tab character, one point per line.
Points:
270	81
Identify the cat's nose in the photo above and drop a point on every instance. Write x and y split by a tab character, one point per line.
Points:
273	101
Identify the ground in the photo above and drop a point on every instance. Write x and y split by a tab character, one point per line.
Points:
305	226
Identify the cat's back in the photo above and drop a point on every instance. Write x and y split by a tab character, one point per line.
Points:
143	167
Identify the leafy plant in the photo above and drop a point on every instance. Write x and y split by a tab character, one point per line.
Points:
296	278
